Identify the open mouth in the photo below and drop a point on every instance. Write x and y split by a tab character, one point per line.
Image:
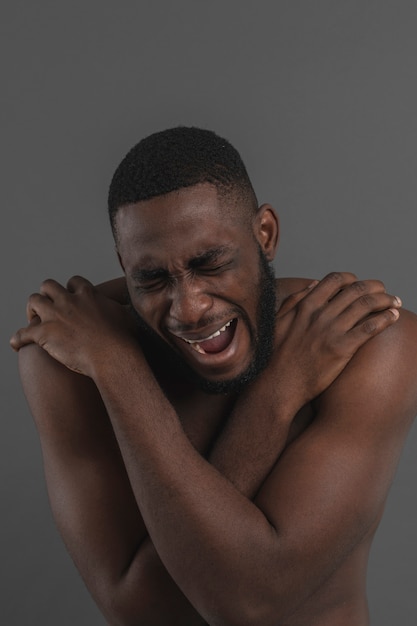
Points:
216	342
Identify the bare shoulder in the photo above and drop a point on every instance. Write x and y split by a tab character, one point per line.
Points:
35	362
115	289
287	286
48	384
380	382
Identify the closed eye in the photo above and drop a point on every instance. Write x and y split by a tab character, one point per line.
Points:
149	287
150	280
217	269
156	284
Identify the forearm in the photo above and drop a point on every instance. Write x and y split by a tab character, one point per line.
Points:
205	531
244	452
255	435
89	491
147	595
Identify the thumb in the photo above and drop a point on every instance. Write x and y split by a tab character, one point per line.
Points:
25	336
291	301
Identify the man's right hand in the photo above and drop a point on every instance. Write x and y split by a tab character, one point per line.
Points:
320	328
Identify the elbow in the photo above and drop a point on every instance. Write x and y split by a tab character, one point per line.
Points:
251	614
255	614
259	604
123	608
148	605
145	595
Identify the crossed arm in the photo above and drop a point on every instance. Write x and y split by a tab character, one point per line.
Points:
239	540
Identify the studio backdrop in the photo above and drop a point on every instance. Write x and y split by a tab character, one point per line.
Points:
320	98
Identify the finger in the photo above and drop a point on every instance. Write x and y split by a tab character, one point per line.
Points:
292	300
360	290
78	283
25	336
372	326
366	305
329	287
37	305
320	293
52	289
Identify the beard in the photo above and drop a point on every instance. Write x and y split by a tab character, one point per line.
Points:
262	340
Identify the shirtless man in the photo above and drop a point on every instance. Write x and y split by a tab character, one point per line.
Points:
218	445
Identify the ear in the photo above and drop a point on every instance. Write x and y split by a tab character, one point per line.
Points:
266	230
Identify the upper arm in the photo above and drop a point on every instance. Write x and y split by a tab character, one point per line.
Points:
328	488
89	491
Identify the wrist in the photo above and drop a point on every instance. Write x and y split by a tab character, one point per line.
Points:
282	394
120	360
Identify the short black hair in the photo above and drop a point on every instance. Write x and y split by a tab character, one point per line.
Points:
173	159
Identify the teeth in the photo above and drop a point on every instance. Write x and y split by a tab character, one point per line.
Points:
194	342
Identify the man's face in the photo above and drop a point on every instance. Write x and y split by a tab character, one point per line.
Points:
197	277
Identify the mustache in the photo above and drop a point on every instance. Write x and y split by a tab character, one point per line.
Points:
206	321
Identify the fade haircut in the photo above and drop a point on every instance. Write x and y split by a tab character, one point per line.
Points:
176	158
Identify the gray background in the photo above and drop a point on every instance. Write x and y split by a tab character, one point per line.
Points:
319	97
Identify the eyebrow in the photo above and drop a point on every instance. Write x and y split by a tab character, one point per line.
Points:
209	256
144	275
200	260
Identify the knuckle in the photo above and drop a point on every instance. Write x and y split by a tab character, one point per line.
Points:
72	279
79	283
335	277
370	326
47	282
379	285
33	297
360	286
318	315
341	277
366	301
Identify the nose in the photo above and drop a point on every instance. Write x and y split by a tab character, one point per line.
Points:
189	302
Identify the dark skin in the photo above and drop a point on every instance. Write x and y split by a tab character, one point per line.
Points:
180	507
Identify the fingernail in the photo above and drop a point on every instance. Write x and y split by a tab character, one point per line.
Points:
395	313
313	284
398	301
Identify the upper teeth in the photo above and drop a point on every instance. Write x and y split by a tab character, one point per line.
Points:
215	334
